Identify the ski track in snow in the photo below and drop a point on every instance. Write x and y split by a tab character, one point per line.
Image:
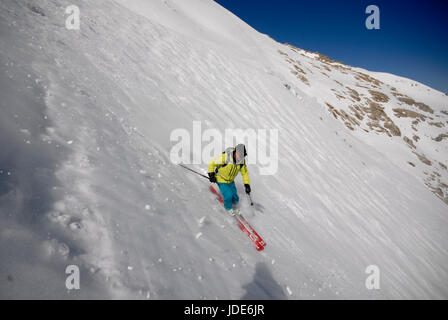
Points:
89	180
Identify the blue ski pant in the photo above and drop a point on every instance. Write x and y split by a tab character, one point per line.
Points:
229	195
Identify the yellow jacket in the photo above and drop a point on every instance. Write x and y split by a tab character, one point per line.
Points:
227	170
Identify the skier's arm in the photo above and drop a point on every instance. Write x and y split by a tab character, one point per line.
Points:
211	170
245	174
213	163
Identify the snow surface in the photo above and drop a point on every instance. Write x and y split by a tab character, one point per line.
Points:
86	179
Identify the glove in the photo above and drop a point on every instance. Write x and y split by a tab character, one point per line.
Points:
247	186
212	177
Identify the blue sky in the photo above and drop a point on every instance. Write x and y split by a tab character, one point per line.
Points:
412	40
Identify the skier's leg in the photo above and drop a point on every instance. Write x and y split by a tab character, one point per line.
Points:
235	197
227	194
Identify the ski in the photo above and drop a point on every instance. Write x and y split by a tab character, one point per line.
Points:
213	190
244	225
260	240
251	236
244	221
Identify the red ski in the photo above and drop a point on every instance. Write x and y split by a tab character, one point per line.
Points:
244	225
251	236
217	194
260	240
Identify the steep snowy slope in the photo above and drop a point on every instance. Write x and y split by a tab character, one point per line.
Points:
377	106
86	176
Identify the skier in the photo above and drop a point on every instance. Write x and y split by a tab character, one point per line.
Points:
224	169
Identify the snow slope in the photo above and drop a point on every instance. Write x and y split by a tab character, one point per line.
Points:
413	115
86	178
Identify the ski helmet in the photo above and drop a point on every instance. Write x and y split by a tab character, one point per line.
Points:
240	153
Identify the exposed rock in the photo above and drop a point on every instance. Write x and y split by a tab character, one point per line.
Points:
409	142
412	102
422	158
440	137
405	113
378	96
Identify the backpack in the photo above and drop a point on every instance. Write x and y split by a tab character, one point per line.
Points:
229	152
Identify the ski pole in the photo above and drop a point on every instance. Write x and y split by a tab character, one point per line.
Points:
250	199
194	171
